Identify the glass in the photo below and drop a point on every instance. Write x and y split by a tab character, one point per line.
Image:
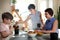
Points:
38	26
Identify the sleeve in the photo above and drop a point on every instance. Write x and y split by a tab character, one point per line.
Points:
2	28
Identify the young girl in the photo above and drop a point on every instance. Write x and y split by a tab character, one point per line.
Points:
5	29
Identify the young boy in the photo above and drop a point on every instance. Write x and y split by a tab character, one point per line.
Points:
5	29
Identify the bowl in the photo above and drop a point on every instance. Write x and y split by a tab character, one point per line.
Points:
32	35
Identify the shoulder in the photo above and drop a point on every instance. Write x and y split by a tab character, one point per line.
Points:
2	26
56	21
52	19
38	12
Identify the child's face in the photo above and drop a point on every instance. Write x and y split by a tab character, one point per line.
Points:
47	15
7	21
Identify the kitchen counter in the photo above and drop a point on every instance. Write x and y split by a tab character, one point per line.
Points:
26	37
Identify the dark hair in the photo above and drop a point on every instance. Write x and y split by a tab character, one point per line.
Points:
50	11
7	15
31	6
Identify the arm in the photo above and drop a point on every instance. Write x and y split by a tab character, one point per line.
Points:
3	31
18	15
5	34
55	25
20	21
25	22
41	18
42	23
11	29
27	19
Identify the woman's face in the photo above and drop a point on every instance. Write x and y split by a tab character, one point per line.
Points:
32	10
47	15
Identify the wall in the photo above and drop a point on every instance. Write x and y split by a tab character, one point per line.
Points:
4	6
56	5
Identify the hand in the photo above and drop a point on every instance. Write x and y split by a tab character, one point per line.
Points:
11	29
41	28
23	28
44	31
38	31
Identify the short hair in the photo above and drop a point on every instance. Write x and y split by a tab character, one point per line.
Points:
31	6
7	15
50	11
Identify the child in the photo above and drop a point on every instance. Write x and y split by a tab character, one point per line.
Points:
5	29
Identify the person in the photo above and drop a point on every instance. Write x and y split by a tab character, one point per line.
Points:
15	13
35	17
51	25
5	27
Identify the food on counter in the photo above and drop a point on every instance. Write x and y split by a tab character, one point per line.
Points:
38	32
31	32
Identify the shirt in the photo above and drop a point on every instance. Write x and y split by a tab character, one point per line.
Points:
49	24
35	19
4	27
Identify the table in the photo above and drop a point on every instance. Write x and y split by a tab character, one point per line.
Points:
26	37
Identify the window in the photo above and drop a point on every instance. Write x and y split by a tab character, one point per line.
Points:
22	5
41	5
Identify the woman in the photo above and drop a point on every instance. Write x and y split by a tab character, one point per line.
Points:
35	17
51	25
